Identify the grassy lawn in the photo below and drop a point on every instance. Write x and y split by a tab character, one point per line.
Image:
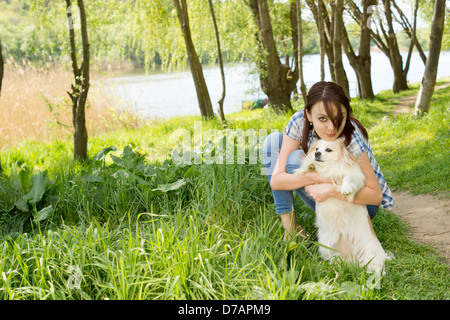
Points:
131	223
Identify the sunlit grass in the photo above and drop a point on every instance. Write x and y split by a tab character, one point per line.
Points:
212	232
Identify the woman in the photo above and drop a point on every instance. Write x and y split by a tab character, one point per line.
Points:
328	116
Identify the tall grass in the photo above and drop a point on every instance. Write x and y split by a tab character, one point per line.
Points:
132	224
35	105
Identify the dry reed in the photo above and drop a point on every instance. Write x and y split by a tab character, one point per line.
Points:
34	104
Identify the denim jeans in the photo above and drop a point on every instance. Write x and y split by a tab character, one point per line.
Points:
284	199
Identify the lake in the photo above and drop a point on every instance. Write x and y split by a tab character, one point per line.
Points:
173	93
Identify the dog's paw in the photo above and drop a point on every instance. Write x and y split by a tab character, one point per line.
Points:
304	169
346	189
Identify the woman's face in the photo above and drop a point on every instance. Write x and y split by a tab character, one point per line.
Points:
322	123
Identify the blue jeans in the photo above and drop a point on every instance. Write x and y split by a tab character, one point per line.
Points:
284	199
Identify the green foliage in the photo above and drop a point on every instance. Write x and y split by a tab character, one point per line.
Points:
133	224
144	32
415	151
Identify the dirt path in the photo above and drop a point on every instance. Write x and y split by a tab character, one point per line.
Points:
428	219
427	215
405	103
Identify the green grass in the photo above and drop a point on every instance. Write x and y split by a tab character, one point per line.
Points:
415	151
132	224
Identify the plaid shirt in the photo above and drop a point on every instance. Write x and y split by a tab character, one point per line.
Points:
358	145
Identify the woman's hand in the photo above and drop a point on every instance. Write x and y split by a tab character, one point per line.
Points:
321	191
316	178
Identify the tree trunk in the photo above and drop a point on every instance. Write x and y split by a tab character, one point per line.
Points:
325	28
429	79
389	46
300	50
204	100
361	63
341	76
1	67
326	33
400	82
322	43
222	73
277	79
411	30
1	80
81	88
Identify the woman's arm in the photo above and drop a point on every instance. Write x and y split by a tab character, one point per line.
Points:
281	180
370	194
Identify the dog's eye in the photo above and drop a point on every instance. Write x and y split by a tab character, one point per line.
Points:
328	150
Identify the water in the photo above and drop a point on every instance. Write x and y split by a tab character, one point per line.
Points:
170	94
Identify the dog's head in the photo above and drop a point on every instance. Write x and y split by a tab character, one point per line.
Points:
330	151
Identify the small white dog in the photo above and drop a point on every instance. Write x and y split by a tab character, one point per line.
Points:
344	229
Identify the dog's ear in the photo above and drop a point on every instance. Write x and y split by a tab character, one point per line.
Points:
312	148
308	161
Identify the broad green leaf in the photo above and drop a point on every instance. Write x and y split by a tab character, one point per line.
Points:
192	172
38	189
171	186
88	177
117	160
44	213
21	204
25	178
100	156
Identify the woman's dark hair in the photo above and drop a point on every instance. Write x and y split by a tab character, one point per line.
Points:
330	94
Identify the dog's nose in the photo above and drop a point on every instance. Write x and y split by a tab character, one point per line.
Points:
317	155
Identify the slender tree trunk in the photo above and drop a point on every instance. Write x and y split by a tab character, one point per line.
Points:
400	82
389	46
277	79
204	100
341	76
1	67
429	79
300	50
325	28
1	80
322	43
361	63
411	30
222	73
81	88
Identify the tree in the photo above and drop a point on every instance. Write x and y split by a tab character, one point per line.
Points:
1	67
429	78
326	33
204	100
1	80
300	50
81	76
400	82
411	30
361	62
386	40
222	73
338	28
277	79
322	42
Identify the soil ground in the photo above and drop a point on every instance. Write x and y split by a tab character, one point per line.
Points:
427	215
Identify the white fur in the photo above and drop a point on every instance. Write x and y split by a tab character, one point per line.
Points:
344	229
